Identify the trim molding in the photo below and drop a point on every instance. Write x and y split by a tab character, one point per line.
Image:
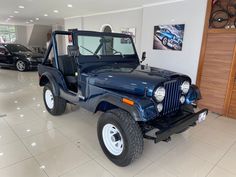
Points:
104	13
125	10
162	3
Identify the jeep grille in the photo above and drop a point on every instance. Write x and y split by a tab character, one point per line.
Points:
171	102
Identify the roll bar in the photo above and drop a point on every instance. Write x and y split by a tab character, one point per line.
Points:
53	44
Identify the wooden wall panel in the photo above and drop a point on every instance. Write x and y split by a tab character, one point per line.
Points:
216	69
230	104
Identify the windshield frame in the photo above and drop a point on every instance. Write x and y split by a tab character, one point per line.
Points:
87	59
103	34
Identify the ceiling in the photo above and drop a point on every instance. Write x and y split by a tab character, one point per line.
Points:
36	9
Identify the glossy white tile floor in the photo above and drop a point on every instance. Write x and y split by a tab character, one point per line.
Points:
35	144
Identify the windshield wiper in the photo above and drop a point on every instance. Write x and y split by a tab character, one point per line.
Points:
90	51
116	51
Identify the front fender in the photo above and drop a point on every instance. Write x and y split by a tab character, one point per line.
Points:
48	78
116	101
143	109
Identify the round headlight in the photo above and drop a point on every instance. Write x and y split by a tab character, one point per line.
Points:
185	87
160	94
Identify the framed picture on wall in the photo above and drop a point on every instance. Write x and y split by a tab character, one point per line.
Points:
129	31
168	37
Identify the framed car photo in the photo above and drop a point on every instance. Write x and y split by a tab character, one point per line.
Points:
168	37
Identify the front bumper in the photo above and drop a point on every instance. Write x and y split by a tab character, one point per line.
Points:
167	128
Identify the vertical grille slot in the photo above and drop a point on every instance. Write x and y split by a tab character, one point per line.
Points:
171	102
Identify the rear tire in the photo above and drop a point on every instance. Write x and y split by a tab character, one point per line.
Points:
120	137
55	105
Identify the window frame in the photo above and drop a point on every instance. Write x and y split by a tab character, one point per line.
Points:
8	32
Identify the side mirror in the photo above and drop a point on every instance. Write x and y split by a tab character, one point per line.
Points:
143	57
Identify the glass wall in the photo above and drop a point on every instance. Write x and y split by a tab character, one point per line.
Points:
7	34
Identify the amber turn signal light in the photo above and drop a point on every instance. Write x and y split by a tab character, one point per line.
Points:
128	102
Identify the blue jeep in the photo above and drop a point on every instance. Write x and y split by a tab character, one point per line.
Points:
102	74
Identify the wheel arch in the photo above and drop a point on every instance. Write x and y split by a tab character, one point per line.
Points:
110	102
48	78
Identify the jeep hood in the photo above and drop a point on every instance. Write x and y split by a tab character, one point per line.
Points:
132	79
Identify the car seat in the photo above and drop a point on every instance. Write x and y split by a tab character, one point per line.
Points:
67	66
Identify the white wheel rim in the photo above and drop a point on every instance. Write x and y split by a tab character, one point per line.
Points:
49	99
165	41
112	139
20	65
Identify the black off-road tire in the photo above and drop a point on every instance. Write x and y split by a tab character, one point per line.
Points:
130	131
59	103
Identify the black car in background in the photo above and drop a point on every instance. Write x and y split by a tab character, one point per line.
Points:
19	57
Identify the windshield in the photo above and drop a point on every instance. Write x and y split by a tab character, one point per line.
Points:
105	45
16	48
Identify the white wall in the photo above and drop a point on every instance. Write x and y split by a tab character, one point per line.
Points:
60	39
189	12
21	35
72	23
118	21
38	36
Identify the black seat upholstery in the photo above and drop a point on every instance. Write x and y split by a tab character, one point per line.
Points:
67	66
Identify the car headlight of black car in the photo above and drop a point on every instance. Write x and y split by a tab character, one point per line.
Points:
30	59
160	93
185	87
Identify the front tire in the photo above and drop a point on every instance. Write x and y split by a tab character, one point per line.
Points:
120	137
21	65
165	41
55	105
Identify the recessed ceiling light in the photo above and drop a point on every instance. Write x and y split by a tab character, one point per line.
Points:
42	167
11	16
33	144
37	20
69	5
45	15
31	20
16	12
55	11
21	7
